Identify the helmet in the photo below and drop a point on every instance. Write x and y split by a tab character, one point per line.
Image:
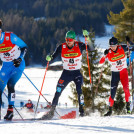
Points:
70	34
113	41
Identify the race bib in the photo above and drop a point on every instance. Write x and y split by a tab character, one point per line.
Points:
11	55
118	65
72	63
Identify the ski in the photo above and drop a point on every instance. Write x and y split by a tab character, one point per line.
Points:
28	120
24	120
67	116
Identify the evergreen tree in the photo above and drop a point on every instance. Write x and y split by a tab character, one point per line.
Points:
124	21
42	24
93	99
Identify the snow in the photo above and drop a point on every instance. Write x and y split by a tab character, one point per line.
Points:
94	124
85	125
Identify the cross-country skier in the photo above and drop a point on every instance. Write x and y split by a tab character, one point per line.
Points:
12	51
116	57
71	54
130	59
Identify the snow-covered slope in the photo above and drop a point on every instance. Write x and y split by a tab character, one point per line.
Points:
85	125
93	124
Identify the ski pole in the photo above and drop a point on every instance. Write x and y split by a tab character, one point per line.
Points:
38	90
88	62
35	87
41	89
14	107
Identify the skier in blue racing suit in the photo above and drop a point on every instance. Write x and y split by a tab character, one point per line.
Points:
12	51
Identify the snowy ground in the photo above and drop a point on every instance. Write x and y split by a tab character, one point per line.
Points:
93	124
85	125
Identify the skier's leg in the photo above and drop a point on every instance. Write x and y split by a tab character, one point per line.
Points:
125	83
62	83
79	81
4	76
14	77
114	84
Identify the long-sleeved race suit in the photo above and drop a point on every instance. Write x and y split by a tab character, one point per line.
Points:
71	58
11	48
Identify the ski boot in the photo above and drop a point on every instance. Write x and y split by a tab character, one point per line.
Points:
109	113
9	114
81	110
81	104
50	114
128	108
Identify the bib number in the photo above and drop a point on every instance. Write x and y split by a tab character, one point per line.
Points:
71	60
119	62
7	54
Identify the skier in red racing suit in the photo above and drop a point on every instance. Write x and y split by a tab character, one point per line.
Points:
71	54
116	57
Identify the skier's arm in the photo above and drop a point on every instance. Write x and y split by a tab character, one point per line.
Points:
22	45
82	47
102	60
55	54
125	47
23	52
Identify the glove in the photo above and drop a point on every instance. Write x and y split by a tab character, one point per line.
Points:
106	52
85	33
48	57
16	62
127	38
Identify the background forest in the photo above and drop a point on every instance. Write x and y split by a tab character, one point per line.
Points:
42	24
